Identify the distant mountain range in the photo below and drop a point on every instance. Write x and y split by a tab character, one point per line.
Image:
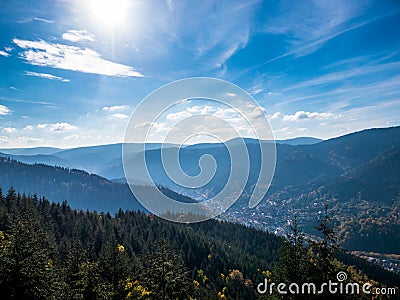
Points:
358	173
103	160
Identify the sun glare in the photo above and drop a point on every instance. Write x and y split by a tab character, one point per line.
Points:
109	12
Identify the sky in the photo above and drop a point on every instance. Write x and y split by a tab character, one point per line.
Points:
72	72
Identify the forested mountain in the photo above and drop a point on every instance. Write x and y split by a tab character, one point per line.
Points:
83	190
51	160
103	160
50	251
357	172
31	151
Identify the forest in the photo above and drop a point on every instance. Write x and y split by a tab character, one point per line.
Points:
50	251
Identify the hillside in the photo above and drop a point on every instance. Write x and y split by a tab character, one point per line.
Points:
50	251
83	190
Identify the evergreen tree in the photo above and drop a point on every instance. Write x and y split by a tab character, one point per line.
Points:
164	275
26	269
324	249
294	261
114	264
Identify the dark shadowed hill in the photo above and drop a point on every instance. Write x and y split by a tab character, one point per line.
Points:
83	190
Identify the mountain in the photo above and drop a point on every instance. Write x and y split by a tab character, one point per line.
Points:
106	160
377	180
61	253
356	173
31	151
299	141
51	160
361	184
83	190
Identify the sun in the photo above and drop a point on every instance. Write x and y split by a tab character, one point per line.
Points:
108	12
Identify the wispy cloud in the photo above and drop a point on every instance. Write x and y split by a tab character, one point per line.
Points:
310	24
35	19
43	20
119	116
116	108
30	140
9	129
47	76
308	33
78	35
4	110
336	77
42	53
306	115
4	139
218	35
53	127
27	101
4	53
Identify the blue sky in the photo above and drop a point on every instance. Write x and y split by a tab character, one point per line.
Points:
72	72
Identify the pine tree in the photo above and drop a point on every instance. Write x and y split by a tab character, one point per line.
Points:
324	249
114	265
26	269
164	275
293	255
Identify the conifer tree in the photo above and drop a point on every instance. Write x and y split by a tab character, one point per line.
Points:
26	269
164	275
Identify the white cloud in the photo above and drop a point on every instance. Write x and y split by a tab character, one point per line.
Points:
160	127
284	129
29	127
42	53
116	108
143	125
306	115
3	53
258	112
43	20
54	127
4	139
47	76
4	110
274	116
78	35
308	25
203	110
9	129
119	116
71	137
27	139
178	115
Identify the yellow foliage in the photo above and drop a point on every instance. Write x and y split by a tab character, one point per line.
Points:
196	283
136	291
266	274
200	275
221	296
236	275
120	248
